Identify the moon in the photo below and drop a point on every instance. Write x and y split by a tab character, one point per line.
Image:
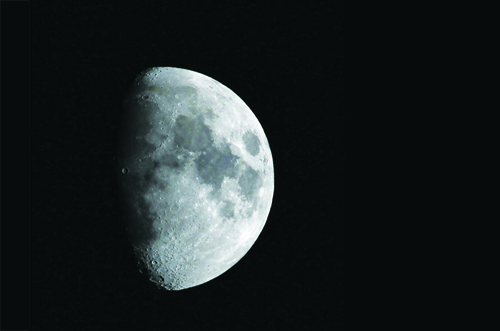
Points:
196	174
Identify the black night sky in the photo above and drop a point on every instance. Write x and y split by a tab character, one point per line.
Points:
286	61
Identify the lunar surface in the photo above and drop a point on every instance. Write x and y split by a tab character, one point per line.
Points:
197	176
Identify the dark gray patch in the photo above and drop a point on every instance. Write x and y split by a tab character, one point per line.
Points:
191	133
173	161
252	143
250	182
135	125
214	164
139	226
228	209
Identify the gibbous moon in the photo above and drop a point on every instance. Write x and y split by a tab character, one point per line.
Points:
197	176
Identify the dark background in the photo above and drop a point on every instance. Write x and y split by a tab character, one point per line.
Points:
286	61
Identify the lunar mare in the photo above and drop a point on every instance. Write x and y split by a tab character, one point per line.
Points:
199	177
